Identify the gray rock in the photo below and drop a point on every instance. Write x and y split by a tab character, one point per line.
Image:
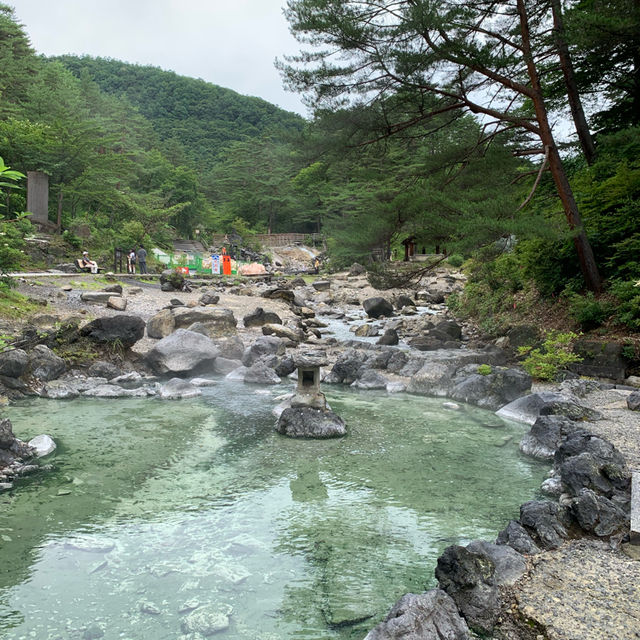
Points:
378	306
450	328
231	347
93	632
402	300
43	445
597	514
263	346
633	401
349	366
472	576
13	363
58	390
260	317
390	337
208	298
96	297
286	366
357	269
161	325
321	285
10	446
183	352
547	521
207	620
586	461
366	331
280	294
114	391
546	435
528	408
114	288
306	422
103	369
225	366
219	322
260	373
117	302
177	389
517	537
371	380
45	364
492	391
293	336
121	330
427	616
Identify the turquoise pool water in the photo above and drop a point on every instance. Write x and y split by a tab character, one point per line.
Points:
157	509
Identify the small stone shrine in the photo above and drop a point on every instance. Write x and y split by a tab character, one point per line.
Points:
308	415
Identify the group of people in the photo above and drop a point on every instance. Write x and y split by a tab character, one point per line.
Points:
139	257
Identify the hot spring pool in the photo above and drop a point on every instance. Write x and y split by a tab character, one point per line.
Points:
156	509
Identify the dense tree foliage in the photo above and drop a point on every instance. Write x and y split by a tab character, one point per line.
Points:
204	118
429	116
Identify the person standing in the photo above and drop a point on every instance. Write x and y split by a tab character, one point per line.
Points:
131	261
142	259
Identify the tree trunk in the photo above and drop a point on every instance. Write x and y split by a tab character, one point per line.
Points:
575	103
59	219
586	258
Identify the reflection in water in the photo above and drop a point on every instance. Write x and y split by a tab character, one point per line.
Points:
157	511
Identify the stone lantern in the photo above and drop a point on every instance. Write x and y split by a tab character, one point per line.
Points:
308	392
308	415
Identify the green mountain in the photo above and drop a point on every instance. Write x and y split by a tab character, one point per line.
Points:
203	117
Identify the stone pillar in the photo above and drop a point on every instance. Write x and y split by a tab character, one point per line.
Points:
635	508
38	196
308	392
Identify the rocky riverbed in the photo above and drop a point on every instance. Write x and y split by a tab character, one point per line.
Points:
564	570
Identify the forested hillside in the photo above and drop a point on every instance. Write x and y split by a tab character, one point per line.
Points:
200	116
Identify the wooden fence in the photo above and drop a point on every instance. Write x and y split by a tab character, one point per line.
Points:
278	239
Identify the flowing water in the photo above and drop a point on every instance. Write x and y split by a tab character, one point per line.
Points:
155	509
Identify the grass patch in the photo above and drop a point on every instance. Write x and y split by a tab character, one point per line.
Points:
16	306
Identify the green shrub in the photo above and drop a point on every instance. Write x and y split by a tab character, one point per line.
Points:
455	260
485	370
588	311
554	355
628	296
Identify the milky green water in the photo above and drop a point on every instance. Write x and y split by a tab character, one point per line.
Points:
156	507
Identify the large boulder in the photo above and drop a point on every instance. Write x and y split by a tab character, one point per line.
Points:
124	331
518	538
472	576
11	447
103	369
171	280
546	435
587	461
597	514
177	389
13	363
161	325
378	306
218	322
182	353
42	445
260	373
44	364
492	390
547	522
306	422
263	346
427	616
529	407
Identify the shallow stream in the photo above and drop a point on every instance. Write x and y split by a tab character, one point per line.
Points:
157	508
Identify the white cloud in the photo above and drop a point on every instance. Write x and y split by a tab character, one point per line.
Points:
230	43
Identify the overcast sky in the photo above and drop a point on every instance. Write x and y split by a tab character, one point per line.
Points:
231	43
